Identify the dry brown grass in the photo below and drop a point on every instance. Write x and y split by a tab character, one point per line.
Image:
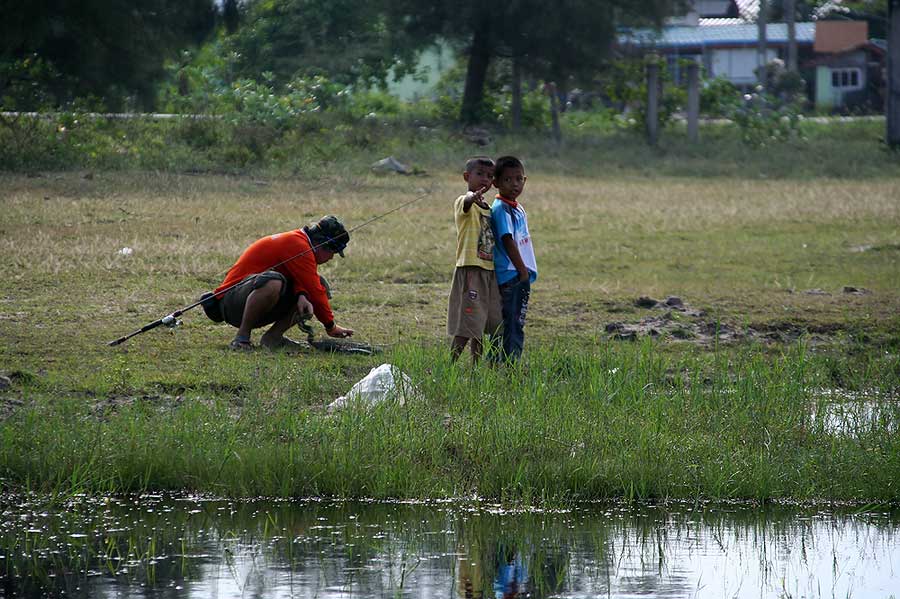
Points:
733	247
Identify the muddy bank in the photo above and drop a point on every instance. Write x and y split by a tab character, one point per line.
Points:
675	320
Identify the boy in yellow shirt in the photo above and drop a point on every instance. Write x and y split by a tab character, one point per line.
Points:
474	297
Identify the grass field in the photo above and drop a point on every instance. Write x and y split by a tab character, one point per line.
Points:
799	275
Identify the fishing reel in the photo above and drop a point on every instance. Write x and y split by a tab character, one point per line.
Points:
303	324
170	321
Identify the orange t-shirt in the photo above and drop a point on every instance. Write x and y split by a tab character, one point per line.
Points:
301	272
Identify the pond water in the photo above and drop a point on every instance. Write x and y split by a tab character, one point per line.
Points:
155	546
855	414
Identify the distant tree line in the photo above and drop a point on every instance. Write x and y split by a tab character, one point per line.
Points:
55	51
114	53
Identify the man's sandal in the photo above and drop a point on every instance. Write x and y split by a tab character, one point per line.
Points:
240	345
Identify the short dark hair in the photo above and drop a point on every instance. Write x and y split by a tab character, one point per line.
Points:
476	161
505	162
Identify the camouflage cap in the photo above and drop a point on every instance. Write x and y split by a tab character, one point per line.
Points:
330	233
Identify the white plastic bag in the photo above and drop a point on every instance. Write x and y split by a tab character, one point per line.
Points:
383	382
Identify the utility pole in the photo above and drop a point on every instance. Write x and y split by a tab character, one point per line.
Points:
762	42
893	78
790	18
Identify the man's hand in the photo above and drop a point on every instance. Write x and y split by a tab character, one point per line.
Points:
339	332
524	275
304	307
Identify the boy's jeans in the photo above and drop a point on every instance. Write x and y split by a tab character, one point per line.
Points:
515	296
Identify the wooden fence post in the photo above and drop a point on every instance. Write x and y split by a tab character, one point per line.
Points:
652	100
693	103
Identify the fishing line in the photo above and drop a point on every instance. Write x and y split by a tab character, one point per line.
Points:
171	320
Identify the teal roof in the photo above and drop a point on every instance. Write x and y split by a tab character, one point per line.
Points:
716	35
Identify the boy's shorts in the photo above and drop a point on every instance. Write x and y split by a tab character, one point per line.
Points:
233	302
474	303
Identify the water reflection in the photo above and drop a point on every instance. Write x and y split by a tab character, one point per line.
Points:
855	414
195	547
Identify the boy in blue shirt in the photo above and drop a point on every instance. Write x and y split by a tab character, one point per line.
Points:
514	263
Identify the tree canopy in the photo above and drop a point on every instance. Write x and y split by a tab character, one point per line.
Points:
342	39
552	38
116	49
108	49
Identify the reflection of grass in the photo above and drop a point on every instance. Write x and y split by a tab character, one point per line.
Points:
171	409
145	545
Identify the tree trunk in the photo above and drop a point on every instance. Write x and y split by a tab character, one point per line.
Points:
516	94
554	112
231	15
893	82
652	123
476	74
790	17
762	42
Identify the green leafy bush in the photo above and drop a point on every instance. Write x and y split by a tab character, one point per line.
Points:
626	85
763	118
718	97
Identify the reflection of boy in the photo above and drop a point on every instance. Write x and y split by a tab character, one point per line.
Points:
471	582
474	297
512	577
516	268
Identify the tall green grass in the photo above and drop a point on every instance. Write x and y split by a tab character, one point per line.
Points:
316	146
613	421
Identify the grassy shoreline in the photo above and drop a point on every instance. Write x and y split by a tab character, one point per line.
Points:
715	401
572	424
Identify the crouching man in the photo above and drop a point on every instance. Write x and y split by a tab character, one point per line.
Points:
283	295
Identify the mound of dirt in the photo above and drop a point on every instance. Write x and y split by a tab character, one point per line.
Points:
680	323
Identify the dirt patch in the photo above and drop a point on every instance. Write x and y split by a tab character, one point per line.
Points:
679	322
106	406
9	404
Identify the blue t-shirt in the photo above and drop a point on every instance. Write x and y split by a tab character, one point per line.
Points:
506	220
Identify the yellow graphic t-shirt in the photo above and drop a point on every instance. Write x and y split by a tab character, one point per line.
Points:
474	237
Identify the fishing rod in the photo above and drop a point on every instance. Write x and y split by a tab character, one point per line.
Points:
171	320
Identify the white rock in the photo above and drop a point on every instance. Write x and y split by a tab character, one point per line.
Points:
390	165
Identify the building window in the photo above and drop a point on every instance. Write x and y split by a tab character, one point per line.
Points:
846	79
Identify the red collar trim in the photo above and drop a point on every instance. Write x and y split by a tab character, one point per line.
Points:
510	203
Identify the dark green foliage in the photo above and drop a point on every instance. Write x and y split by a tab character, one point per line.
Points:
341	39
718	96
231	15
111	49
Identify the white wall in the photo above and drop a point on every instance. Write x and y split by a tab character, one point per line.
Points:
737	64
433	63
